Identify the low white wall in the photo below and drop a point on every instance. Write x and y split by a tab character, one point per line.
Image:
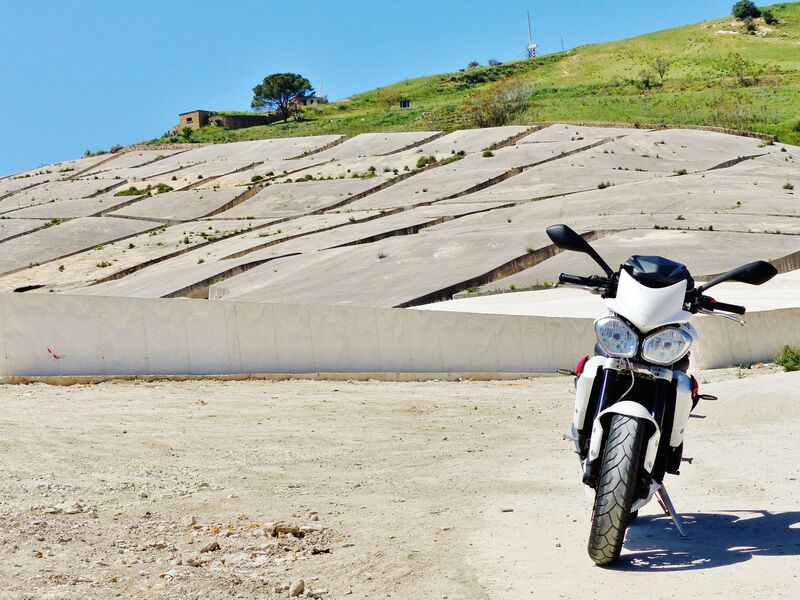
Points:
61	335
94	335
724	343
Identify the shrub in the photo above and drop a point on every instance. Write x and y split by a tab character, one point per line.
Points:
646	77
391	98
424	161
133	191
788	186
789	359
769	18
681	172
745	8
497	104
487	154
493	62
186	132
473	64
256	178
604	184
749	25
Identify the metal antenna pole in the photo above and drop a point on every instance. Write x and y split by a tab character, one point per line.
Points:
529	29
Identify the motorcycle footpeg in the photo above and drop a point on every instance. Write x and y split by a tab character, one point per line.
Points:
707	397
566	372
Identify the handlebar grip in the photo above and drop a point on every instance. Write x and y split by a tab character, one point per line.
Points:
709	303
574	279
733	308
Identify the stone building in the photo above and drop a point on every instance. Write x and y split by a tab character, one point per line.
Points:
194	119
309	100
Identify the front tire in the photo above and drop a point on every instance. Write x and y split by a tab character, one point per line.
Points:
616	490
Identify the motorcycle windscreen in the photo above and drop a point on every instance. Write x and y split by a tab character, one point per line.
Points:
647	307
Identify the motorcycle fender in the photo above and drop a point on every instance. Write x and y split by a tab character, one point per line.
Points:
583	390
683	406
630	409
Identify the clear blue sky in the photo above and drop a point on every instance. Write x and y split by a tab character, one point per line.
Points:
87	74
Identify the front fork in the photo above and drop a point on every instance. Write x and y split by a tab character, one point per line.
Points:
667	409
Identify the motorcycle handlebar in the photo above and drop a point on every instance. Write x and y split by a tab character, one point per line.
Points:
595	281
710	304
573	279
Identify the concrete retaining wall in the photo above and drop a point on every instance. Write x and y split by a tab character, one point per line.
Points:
61	335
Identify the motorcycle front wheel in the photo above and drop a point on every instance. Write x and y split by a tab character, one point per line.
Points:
616	490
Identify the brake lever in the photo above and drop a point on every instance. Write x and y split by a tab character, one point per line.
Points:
723	315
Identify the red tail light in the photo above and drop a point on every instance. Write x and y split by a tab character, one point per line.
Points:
580	366
695	387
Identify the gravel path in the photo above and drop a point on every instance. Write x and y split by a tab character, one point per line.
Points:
466	490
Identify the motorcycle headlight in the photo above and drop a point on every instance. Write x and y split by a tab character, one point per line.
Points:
666	346
616	338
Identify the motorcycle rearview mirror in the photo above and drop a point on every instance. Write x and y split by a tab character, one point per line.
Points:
754	273
567	239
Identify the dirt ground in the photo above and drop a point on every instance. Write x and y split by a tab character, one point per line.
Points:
415	491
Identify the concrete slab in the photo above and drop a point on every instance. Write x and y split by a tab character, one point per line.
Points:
290	199
404	223
168	276
639	156
260	150
181	206
389	272
71	208
127	160
111	259
561	131
13	184
436	184
472	140
373	144
65	239
746	190
14	227
54	191
196	173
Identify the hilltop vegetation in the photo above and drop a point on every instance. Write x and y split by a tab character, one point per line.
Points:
725	72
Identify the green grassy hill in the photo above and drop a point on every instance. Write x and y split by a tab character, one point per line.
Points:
719	74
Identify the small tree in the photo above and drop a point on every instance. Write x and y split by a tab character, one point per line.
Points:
660	65
746	73
278	91
187	132
493	62
390	98
473	64
497	104
745	8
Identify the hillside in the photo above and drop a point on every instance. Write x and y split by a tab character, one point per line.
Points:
719	74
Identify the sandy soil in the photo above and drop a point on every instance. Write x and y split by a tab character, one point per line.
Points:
416	491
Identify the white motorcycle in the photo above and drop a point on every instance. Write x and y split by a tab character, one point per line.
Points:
633	398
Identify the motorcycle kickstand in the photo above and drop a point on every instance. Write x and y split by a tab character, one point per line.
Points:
666	504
